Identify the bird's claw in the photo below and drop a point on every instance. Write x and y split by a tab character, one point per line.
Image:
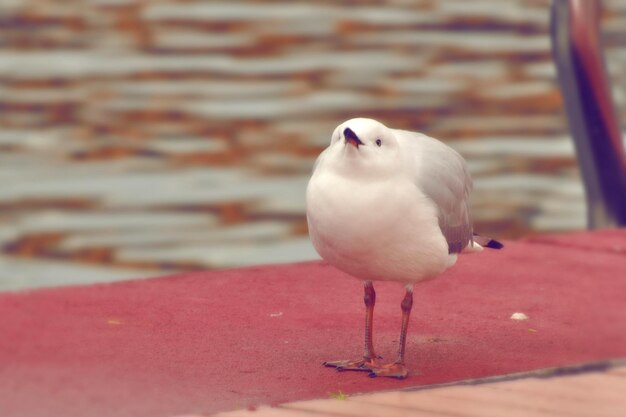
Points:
392	370
352	365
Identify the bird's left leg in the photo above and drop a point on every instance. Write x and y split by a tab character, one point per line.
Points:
398	369
370	359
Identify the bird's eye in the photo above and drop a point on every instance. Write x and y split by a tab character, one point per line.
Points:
379	142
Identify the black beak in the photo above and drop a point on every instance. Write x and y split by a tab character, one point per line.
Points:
351	137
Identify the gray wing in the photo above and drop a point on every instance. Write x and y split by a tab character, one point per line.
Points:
442	175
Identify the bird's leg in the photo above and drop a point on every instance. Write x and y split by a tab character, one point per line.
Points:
370	300
369	357
406	306
398	369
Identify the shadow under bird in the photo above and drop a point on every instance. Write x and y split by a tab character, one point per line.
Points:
389	205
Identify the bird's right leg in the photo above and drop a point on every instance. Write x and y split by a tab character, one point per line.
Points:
370	359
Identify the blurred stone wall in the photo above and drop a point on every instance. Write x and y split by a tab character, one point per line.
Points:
148	137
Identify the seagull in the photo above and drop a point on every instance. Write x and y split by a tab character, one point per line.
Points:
389	205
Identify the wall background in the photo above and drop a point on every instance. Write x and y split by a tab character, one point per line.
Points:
143	138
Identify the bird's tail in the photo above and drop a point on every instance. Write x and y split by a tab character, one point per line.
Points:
487	242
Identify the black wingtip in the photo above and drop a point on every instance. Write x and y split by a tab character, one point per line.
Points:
494	244
486	242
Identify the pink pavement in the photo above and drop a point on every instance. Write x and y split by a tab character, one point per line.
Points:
213	341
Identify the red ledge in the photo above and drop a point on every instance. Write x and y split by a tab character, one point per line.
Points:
214	341
609	240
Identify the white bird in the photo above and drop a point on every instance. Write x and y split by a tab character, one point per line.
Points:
391	205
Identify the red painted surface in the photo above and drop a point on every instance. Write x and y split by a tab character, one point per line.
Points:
205	342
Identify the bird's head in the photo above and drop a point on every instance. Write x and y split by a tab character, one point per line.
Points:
364	147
